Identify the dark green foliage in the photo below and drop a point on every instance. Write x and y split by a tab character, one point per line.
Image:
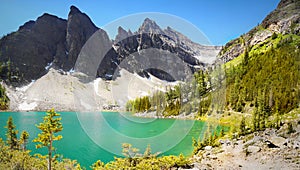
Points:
274	36
290	128
141	104
204	105
173	101
158	102
9	73
266	77
4	100
243	127
11	134
182	98
210	139
23	140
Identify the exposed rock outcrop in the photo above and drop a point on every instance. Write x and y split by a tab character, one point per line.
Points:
33	47
284	19
79	29
150	37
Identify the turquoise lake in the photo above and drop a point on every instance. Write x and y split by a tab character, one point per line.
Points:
88	137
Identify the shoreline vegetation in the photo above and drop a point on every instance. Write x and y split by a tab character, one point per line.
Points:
214	150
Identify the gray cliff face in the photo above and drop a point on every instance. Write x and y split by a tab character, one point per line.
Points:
30	49
122	34
151	36
47	42
79	29
205	54
285	18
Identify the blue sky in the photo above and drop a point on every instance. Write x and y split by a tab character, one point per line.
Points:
219	20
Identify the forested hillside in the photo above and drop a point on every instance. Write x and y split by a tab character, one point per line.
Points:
262	81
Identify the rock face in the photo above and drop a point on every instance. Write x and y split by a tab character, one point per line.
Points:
284	19
122	34
150	26
30	52
79	29
33	46
149	41
47	42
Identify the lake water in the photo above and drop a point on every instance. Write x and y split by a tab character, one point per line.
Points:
88	137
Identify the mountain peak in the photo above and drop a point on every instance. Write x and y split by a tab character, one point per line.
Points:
122	34
120	29
74	10
79	29
150	26
148	20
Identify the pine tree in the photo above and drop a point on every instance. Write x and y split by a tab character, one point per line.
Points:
254	120
11	134
243	126
277	117
24	140
49	127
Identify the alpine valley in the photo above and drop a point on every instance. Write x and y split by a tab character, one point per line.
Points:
45	52
245	94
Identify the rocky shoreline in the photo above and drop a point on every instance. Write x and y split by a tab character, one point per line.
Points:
268	149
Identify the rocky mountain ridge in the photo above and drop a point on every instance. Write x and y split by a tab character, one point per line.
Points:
151	36
28	53
285	19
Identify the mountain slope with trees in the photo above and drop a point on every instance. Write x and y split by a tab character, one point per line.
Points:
261	76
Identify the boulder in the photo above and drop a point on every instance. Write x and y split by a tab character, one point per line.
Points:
278	141
253	149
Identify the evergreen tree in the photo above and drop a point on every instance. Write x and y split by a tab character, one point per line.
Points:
11	134
243	126
24	140
4	100
49	127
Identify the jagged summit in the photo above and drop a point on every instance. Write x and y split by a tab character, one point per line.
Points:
150	26
122	34
79	29
74	10
52	42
